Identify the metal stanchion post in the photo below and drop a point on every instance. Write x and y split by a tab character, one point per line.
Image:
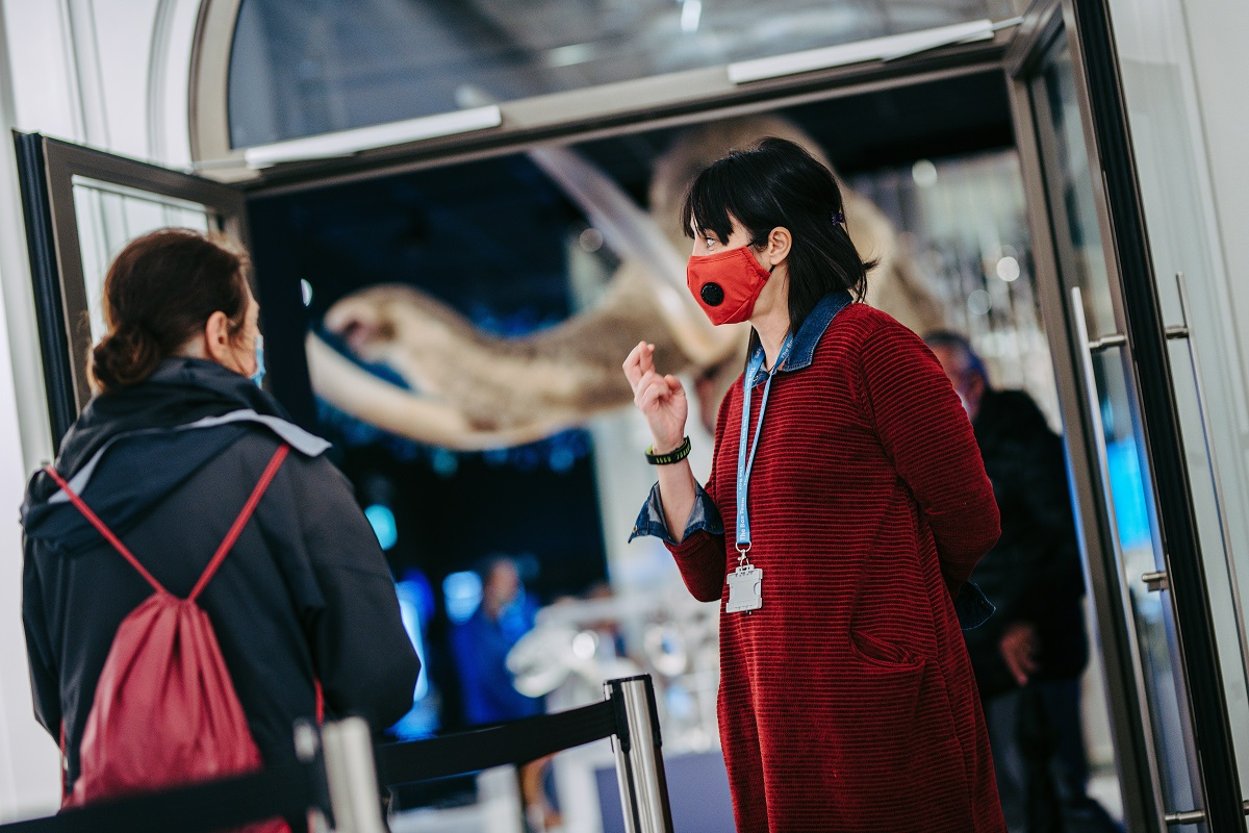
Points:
639	761
349	768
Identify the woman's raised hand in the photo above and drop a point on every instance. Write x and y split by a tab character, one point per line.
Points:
661	399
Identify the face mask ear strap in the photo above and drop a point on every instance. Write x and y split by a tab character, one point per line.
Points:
259	376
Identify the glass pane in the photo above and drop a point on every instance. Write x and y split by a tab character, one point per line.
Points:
966	224
1127	478
303	68
1207	367
109	216
1081	235
1135	525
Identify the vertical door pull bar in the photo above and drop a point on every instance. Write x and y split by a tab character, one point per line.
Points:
1086	348
1216	482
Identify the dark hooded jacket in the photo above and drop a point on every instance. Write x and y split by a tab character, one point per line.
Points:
304	595
1033	574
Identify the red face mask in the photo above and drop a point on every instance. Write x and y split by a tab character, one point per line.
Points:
726	284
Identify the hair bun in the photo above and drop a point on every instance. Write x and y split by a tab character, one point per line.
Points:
124	357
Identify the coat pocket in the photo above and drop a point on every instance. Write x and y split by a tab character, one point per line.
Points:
873	651
880	736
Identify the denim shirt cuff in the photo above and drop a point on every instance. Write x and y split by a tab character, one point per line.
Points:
973	607
705	516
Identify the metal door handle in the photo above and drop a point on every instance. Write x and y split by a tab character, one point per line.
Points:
1193	816
1105	342
1184	331
1185	817
1086	348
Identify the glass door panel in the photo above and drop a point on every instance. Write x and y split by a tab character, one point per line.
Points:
81	207
1134	524
1079	238
1206	363
1126	542
111	215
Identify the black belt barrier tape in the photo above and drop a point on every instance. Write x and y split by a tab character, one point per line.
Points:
286	791
508	743
290	790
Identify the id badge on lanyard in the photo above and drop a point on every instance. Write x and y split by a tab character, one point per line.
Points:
746	581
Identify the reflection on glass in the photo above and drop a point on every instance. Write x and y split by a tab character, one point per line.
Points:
965	222
1082	262
303	68
1085	257
1160	92
109	217
1135	523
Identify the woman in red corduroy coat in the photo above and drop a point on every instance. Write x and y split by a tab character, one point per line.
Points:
847	703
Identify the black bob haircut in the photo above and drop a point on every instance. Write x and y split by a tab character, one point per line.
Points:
777	183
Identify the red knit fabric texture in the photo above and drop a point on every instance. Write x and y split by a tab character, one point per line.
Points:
847	703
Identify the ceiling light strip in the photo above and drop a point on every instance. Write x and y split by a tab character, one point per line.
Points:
886	48
349	142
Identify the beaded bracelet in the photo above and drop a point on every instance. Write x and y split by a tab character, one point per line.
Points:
675	456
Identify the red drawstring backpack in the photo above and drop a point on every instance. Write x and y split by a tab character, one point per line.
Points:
165	712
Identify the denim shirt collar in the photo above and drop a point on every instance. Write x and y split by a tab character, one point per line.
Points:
811	330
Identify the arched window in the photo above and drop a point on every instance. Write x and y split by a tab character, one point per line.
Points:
300	68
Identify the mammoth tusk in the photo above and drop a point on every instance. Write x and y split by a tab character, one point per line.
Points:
391	408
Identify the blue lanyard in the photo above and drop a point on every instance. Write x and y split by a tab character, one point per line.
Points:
746	461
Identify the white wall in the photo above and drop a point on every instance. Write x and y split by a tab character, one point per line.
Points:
113	74
28	759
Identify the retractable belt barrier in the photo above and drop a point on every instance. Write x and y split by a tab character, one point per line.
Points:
508	743
337	776
285	791
628	715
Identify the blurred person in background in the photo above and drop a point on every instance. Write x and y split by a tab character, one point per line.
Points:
1030	655
482	643
488	686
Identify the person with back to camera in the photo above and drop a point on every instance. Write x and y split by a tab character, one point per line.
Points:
858	506
1029	658
178	436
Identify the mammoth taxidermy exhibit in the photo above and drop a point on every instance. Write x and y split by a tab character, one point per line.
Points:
471	390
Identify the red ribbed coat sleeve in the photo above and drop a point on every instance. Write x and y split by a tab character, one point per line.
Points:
700	556
932	447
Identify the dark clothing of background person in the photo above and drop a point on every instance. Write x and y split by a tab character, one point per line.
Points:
1034	577
304	595
1033	574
